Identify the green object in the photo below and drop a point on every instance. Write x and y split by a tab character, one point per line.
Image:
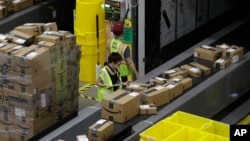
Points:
127	35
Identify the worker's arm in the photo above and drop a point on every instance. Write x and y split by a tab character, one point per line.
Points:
130	62
100	83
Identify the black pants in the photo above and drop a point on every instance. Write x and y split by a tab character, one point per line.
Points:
124	78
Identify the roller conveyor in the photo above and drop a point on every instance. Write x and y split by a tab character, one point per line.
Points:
209	95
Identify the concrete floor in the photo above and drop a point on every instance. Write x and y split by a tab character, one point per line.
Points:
87	95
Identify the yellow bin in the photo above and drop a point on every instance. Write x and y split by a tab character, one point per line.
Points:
85	31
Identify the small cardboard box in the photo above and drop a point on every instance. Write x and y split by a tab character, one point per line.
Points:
120	106
101	130
192	71
186	81
235	53
3	12
175	88
148	109
222	63
223	46
18	5
174	72
207	53
157	95
157	81
137	87
204	69
21	38
31	30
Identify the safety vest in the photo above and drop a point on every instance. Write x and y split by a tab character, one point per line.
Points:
103	91
118	46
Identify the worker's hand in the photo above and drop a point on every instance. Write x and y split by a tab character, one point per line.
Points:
108	87
137	76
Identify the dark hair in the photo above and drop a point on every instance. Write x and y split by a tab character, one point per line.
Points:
114	57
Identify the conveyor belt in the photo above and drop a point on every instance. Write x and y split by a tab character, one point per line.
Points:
209	95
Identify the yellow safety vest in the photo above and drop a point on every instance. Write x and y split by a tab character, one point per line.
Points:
103	91
118	46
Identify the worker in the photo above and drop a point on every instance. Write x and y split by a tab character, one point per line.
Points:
109	79
116	45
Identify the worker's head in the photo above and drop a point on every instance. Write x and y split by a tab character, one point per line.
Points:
114	60
117	28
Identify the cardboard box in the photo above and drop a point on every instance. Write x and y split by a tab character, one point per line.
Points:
222	63
31	30
192	71
175	88
207	53
235	53
5	38
157	81
101	130
174	72
223	46
18	5
52	26
148	109
40	26
3	12
186	81
157	95
204	69
120	106
21	38
137	87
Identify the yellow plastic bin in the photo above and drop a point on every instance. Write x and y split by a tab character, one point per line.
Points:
187	134
212	137
217	128
160	131
189	120
86	36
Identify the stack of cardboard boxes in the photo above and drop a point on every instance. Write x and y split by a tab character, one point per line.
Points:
38	80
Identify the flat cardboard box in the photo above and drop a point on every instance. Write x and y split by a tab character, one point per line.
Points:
157	81
157	95
222	63
174	72
148	109
21	38
31	30
137	87
235	53
18	5
207	53
120	106
101	130
192	71
204	69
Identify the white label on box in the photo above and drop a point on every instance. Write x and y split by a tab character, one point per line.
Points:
43	100
134	94
158	87
177	79
21	41
134	86
230	50
224	46
160	78
195	54
82	138
170	71
31	55
144	106
1	45
101	121
206	46
220	60
2	37
170	86
194	70
235	58
19	112
17	47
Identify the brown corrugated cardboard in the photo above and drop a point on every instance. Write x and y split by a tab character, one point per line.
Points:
120	106
3	12
223	46
137	87
157	81
157	95
235	53
31	30
186	81
52	26
21	38
18	5
174	72
207	53
204	69
222	63
100	130
175	88
148	109
192	71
